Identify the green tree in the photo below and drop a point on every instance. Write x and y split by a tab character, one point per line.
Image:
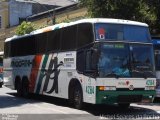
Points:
147	11
156	5
25	28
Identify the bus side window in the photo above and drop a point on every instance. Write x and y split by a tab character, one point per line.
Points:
69	36
41	43
53	43
88	60
1	59
91	60
84	35
80	61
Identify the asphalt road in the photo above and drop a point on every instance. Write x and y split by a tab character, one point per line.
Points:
49	108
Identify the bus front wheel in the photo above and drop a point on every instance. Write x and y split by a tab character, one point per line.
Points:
78	97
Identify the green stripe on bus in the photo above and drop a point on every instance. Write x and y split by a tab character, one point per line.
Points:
41	74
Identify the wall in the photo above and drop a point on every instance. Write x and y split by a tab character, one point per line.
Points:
18	10
4	13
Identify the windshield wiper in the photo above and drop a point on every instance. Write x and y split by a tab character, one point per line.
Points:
112	75
139	72
149	73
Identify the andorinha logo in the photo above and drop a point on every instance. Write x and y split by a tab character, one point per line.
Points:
124	83
21	63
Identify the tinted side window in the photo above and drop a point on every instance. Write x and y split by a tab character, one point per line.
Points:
69	35
20	47
85	34
25	46
41	42
15	48
30	46
81	61
6	49
1	60
53	42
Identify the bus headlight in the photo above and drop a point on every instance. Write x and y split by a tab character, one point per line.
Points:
102	88
150	88
110	88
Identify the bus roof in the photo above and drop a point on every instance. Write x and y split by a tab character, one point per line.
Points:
110	20
90	20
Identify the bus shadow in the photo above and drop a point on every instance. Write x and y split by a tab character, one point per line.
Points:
96	110
13	100
113	111
35	98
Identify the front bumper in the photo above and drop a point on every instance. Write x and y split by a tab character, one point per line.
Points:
158	92
111	97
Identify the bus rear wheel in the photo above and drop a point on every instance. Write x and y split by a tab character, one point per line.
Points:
78	97
25	89
19	88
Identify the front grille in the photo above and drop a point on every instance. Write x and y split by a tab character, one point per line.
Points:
129	98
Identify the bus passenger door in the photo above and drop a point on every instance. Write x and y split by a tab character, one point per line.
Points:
86	68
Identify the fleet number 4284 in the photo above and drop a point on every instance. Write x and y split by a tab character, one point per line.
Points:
90	89
150	82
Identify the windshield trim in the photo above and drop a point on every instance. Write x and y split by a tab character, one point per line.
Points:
129	42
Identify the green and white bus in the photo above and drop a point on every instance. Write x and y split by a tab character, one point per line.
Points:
97	61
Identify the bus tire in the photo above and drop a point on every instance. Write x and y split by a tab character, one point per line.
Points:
124	105
19	88
78	97
25	88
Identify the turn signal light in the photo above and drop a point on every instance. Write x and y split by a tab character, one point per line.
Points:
101	88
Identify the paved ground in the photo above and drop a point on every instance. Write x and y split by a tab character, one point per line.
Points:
49	108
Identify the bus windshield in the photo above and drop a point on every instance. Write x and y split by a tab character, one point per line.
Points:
124	60
117	32
142	61
114	60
